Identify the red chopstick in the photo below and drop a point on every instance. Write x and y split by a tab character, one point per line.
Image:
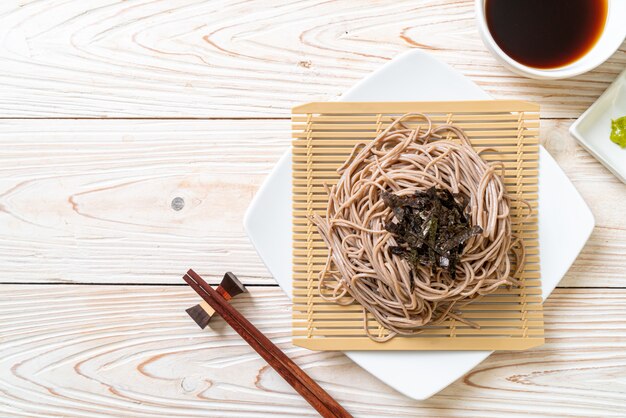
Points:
317	397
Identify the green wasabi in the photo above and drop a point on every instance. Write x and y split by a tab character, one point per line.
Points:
618	131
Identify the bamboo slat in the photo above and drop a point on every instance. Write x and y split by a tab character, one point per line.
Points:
324	135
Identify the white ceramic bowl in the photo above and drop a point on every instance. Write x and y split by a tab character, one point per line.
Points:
611	39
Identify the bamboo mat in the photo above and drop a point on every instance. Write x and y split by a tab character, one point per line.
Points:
325	133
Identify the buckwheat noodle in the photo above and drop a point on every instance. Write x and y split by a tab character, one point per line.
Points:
360	266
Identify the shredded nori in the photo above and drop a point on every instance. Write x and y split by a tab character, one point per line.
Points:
431	228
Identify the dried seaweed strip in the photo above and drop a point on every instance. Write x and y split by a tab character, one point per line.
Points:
431	227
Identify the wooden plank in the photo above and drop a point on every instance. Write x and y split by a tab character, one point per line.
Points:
93	351
91	200
122	176
194	58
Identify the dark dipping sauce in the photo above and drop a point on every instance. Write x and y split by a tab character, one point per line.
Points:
546	33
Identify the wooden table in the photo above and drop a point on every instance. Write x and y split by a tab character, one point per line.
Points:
111	110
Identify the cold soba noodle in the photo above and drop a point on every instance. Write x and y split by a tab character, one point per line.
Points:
409	281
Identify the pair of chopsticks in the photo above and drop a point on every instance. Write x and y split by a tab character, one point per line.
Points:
317	397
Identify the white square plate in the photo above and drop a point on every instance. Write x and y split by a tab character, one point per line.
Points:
565	221
593	128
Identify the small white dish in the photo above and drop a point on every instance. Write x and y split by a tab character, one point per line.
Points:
565	221
611	39
593	128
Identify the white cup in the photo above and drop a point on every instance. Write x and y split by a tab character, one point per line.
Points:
612	37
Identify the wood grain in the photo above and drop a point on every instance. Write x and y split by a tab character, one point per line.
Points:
196	58
95	351
89	201
140	201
